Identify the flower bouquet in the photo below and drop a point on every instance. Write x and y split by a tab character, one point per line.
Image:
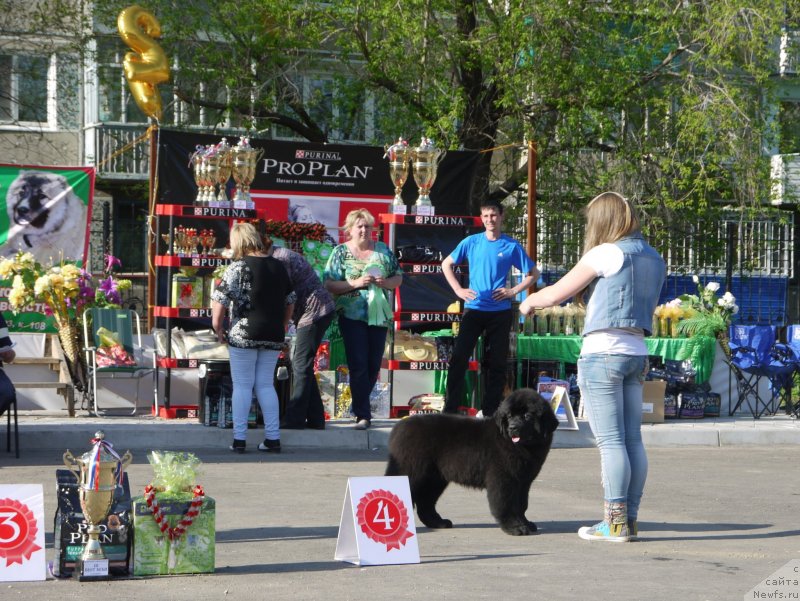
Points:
62	291
708	314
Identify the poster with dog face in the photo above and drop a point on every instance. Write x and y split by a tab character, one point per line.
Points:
45	212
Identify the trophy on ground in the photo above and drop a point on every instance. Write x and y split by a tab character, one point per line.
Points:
425	159
99	472
244	159
398	154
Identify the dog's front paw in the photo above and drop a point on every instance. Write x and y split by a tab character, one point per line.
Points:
519	529
438	524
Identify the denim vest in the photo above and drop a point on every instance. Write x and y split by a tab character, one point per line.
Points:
628	298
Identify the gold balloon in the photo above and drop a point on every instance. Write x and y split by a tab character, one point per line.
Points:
147	66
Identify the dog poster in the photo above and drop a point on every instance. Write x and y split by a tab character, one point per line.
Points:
45	211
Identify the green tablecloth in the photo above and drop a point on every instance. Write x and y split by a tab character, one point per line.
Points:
699	349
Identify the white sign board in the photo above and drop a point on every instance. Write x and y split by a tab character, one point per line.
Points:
377	525
555	392
22	554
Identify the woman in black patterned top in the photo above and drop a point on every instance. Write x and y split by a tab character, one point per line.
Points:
258	298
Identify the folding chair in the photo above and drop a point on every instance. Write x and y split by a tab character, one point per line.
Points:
755	356
112	348
793	345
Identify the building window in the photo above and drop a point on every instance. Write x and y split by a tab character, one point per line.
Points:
25	81
789	119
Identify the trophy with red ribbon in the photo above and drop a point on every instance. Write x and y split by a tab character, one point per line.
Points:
99	472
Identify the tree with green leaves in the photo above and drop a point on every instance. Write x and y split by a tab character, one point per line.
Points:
668	101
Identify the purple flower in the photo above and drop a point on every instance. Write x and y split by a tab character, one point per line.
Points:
109	288
111	262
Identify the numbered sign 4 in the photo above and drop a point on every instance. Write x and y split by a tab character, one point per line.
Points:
22	555
377	525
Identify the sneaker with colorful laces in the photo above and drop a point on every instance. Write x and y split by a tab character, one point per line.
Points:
610	533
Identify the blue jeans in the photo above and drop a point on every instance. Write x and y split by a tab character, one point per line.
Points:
611	388
363	345
254	369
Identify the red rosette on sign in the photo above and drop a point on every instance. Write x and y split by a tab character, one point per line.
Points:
17	532
383	517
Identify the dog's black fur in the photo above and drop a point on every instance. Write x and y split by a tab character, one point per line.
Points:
434	450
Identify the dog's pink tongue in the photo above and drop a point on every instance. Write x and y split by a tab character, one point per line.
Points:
515	439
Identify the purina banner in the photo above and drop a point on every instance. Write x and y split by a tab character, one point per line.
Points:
45	212
311	183
306	182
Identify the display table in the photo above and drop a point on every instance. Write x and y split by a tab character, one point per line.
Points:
698	349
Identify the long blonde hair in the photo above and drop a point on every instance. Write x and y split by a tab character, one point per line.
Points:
245	240
609	217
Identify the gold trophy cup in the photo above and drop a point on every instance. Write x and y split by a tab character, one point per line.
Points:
197	162
398	154
98	472
425	159
224	173
244	159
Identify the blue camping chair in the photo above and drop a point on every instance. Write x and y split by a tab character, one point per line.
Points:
793	344
113	348
755	355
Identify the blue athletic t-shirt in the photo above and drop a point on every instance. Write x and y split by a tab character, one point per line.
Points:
489	264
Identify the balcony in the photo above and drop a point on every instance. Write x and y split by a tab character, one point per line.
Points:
785	176
119	151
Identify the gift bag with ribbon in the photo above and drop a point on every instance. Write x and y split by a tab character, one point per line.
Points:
174	522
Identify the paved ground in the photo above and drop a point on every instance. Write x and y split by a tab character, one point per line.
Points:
716	521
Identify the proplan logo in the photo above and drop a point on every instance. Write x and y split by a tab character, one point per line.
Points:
317	155
782	584
324	164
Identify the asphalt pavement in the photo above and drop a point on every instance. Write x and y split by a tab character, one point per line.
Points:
716	521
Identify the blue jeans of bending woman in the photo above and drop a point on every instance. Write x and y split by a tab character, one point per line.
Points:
363	345
254	370
611	388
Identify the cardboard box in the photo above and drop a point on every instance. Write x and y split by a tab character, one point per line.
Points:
192	553
69	535
653	402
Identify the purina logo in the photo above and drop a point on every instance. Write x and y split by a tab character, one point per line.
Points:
436	317
317	155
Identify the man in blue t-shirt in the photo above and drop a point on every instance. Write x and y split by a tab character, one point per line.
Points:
487	305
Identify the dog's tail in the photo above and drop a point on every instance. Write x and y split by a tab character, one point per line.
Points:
392	467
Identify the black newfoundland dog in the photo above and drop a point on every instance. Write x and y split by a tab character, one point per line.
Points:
502	454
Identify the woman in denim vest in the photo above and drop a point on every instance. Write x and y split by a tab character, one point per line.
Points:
619	279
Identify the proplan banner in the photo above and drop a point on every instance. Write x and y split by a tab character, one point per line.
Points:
309	183
45	212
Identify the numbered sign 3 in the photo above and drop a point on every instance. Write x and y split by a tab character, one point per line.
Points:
22	555
377	525
147	66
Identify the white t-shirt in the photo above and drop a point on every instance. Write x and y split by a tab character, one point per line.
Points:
606	260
